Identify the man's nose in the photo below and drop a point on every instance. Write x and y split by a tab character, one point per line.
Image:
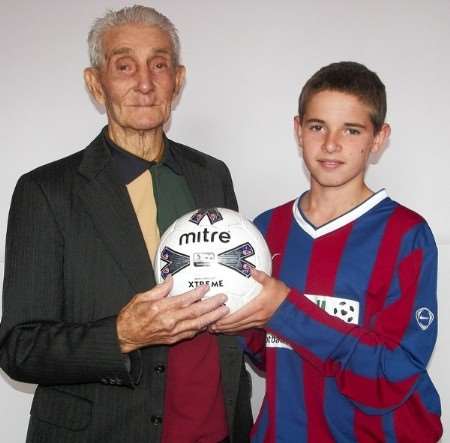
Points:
145	80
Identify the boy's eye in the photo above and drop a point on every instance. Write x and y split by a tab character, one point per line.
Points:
315	128
353	131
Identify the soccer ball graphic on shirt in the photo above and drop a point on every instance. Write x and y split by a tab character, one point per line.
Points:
216	247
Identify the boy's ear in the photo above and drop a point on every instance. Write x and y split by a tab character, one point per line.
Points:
381	137
298	131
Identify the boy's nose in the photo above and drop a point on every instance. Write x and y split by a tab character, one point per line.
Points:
331	143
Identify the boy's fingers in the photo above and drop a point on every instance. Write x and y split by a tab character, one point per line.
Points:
259	276
241	315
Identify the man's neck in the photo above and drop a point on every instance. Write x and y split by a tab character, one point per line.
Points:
144	144
321	205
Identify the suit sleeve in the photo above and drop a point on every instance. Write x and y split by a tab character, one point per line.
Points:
228	189
37	345
377	366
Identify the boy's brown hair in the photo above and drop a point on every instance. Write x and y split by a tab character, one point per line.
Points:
350	78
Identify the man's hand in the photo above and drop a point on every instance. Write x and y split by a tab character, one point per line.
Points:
152	318
257	312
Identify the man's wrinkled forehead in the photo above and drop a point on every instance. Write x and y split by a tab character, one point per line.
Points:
125	40
129	51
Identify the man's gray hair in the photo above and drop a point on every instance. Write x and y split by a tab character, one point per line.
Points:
136	14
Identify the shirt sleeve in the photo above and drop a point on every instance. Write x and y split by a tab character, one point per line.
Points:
377	364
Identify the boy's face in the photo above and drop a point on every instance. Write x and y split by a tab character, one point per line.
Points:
337	137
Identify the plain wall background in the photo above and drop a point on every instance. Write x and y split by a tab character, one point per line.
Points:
246	62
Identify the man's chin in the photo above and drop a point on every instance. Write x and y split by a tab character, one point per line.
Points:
145	125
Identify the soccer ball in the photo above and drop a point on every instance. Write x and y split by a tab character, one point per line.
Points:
216	247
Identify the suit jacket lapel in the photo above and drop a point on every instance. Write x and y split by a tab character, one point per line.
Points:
109	205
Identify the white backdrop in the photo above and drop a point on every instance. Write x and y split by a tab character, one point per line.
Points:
246	62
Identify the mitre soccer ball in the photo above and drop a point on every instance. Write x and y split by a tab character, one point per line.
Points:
216	247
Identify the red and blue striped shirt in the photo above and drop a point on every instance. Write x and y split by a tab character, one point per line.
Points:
346	352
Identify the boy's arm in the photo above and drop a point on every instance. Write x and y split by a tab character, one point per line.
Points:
253	343
375	366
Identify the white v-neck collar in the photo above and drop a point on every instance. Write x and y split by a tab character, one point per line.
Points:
340	221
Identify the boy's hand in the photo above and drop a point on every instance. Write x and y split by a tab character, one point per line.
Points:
257	312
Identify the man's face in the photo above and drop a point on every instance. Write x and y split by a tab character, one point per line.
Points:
138	79
337	137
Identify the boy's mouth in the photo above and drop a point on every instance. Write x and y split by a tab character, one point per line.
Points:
330	164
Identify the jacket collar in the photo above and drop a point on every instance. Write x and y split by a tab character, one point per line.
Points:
107	201
98	154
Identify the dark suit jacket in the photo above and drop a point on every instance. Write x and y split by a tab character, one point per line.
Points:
75	256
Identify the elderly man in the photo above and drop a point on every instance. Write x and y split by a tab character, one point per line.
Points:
117	360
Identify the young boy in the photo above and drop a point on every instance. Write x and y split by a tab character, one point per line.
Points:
351	322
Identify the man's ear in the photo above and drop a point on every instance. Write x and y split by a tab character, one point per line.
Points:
381	137
93	83
298	131
180	76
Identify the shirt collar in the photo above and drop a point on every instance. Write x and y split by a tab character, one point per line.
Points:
130	166
339	222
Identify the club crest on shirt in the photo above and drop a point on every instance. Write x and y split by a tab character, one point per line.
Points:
424	318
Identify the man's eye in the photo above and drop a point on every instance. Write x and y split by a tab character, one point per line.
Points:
315	128
124	66
353	131
161	65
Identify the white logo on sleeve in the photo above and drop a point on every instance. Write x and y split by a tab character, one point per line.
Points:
424	318
343	308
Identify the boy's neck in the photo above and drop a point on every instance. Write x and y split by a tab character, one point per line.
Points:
321	205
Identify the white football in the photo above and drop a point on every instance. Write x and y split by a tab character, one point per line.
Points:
215	247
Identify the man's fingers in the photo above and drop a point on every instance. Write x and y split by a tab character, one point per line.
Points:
200	315
193	307
213	316
175	301
195	310
208	304
159	291
203	321
188	298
